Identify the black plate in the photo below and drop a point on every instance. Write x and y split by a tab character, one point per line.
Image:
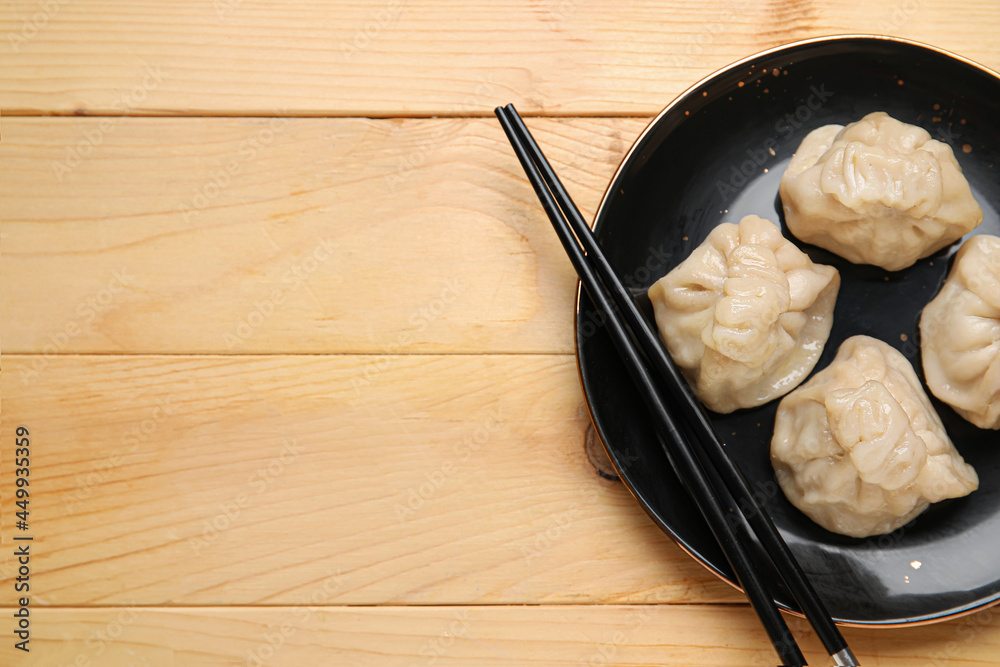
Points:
717	154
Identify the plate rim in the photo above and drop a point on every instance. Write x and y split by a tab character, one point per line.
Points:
687	93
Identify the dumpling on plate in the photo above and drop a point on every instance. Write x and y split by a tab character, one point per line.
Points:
960	334
859	448
746	315
877	191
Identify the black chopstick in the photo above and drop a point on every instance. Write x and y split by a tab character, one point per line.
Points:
674	444
717	454
712	453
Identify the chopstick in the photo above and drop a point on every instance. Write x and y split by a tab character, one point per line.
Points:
691	462
675	446
698	421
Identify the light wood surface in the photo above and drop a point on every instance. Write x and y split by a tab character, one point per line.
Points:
183	236
311	633
396	58
294	339
209	480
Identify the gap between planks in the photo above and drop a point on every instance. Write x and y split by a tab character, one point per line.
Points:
394	115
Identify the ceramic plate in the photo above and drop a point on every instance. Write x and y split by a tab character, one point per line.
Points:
717	154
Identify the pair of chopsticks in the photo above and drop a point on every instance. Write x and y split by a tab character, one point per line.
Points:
693	448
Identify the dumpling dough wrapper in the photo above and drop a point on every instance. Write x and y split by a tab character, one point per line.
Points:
960	334
859	448
746	315
877	191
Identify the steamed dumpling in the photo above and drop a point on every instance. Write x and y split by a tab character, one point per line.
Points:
745	317
960	334
877	192
859	448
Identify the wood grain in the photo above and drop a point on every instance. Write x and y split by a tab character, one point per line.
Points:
397	58
246	480
298	365
231	236
313	634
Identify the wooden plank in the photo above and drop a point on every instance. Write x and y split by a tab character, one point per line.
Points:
240	480
289	235
394	57
313	634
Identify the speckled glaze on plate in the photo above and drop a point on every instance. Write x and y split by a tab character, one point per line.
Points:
716	154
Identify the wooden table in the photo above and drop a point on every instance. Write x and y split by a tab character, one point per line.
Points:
293	340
